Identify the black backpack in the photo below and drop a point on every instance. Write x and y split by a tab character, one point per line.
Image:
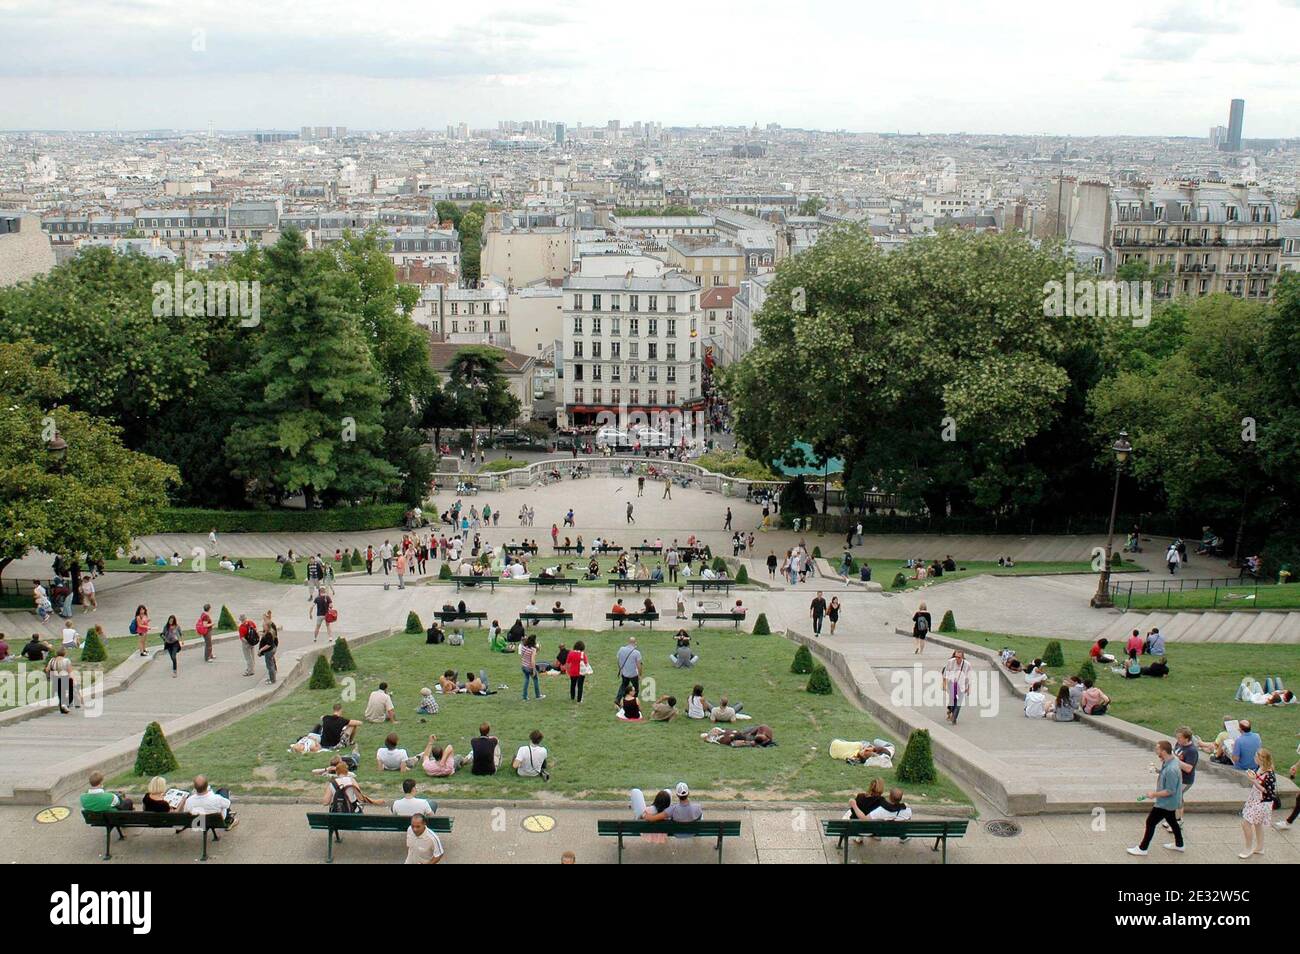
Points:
922	624
339	801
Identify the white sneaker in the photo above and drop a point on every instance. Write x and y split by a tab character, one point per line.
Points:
1282	825
1172	847
1135	850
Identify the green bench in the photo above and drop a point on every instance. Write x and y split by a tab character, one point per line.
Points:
554	617
452	616
178	821
700	618
629	828
490	581
706	585
540	581
334	822
621	584
940	831
645	618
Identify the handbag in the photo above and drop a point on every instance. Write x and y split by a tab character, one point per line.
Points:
584	667
331	615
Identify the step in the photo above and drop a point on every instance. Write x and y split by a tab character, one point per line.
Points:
1262	628
1233	625
1119	630
1199	631
1288	630
1161	620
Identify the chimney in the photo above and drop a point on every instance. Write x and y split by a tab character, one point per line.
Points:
627	279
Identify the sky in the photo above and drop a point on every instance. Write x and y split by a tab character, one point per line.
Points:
1106	67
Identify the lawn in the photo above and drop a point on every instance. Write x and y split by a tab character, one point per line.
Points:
119	648
594	755
884	568
1248	597
265	569
1198	692
574	567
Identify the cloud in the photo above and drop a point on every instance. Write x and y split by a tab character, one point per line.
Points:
1164	49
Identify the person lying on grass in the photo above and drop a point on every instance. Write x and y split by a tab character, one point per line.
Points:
759	735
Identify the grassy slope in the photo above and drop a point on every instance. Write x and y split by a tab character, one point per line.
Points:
1223	597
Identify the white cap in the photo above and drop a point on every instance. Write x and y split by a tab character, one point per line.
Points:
682	790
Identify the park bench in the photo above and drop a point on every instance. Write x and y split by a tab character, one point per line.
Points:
177	821
646	549
607	548
621	584
565	550
476	581
706	585
540	581
939	830
520	548
643	618
700	618
334	822
554	617
451	616
628	828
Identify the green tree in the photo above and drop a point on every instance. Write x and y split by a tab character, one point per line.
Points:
811	205
471	242
449	212
341	659
322	677
480	389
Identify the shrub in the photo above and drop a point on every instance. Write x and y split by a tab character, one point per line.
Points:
94	649
719	565
735	465
917	764
444	572
321	675
154	757
502	464
336	519
1087	672
1053	655
761	627
803	661
413	624
948	624
356	558
341	660
286	571
742	574
819	683
817	553
226	621
900	582
346	566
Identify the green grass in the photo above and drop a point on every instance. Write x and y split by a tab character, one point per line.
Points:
502	464
884	568
265	569
594	755
1248	597
548	559
119	649
1203	678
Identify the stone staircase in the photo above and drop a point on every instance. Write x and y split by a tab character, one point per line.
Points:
1262	626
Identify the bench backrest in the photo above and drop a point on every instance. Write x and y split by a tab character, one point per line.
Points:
346	821
565	615
717	615
558	580
153	820
702	828
920	829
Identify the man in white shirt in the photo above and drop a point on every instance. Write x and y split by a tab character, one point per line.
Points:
71	639
530	760
422	846
386	555
204	801
409	804
379	707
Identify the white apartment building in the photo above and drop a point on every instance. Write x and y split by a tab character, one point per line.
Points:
522	256
632	343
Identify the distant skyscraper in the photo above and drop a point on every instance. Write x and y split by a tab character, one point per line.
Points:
559	134
1236	114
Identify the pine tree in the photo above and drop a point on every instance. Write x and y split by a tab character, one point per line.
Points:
948	624
1088	672
356	558
94	650
413	624
1053	655
342	660
444	572
742	575
900	582
347	562
226	621
321	675
819	683
154	756
917	765
803	661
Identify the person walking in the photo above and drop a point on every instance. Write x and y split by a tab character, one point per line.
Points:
1172	559
400	568
370	560
681	603
171	637
668	488
956	683
817	609
629	670
771	565
203	626
921	624
833	613
323	609
528	663
726	524
1168	796
640	485
140	626
386	556
266	648
629	513
1258	810
578	668
1188	755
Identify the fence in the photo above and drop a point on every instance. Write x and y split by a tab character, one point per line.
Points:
1122	592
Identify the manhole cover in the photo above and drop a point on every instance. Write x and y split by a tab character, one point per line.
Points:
537	824
48	816
1002	829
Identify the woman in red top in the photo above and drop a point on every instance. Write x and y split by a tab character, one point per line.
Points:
574	663
1098	652
203	626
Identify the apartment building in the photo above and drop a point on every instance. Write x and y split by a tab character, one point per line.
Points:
25	249
421	245
663	226
523	256
744	305
1290	257
629	342
709	264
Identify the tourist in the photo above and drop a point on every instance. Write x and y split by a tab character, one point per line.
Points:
205	800
528	665
697	707
1135	643
1258	810
771	565
323	609
578	668
864	803
390	758
817	609
140	626
684	810
88	593
439	761
423	847
833	613
1158	669
203	626
1168	797
1245	748
1064	709
266	648
1295	810
485	752
171	637
336	730
1095	702
379	707
530	760
1154	643
893	808
1188	755
1098	652
956	683
921	624
629	708
154	797
724	711
96	799
683	657
36	649
629	669
248	640
659	811
409	804
664	709
343	795
58	669
1037	704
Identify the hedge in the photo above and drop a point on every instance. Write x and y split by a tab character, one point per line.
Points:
761	625
1087	672
948	624
742	575
1053	655
803	661
94	650
341	519
413	624
900	582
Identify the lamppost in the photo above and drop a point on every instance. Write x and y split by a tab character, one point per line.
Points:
1121	449
57	450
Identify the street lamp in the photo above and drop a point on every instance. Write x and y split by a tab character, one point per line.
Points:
1121	449
56	448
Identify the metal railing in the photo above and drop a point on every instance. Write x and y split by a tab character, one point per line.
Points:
1241	588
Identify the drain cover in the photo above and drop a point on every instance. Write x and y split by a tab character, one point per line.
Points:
538	824
1002	829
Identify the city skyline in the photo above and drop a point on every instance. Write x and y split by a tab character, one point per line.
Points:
1164	70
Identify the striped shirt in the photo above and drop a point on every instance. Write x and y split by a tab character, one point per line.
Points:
528	657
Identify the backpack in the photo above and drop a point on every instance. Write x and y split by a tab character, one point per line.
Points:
922	624
340	804
251	637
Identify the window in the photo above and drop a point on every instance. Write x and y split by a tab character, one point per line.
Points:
577	303
671	351
577	322
501	325
577	349
670	396
672	302
653	374
652	351
596	371
654	304
595	349
652	327
692	350
671	375
616	372
653	396
455	327
634	372
615	326
634	304
595	395
577	395
634	327
595	326
595	303
616	349
672	327
616	395
577	372
635	395
615	302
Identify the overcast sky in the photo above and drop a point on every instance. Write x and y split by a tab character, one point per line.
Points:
1022	66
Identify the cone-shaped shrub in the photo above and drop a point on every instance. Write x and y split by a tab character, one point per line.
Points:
742	574
948	624
444	572
347	563
819	683
817	553
803	661
900	582
321	676
286	571
342	660
1088	672
226	621
413	624
719	565
356	557
154	756
917	766
1052	654
94	649
1116	559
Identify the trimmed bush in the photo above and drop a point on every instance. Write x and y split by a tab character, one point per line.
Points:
719	565
341	660
1087	672
948	624
1116	559
742	574
154	756
761	627
803	661
817	553
900	582
226	621
819	683
340	519
413	624
444	572
94	649
917	765
286	571
322	677
346	565
356	558
1053	655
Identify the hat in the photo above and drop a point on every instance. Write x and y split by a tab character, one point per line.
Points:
682	790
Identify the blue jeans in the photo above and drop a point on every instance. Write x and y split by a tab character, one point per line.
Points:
530	674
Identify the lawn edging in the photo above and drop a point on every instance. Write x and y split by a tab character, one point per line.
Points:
993	778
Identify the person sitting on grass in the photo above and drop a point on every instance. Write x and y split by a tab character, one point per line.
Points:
683	657
438	761
530	760
1098	652
629	710
724	711
478	686
1155	642
390	758
379	707
428	704
1133	666
1095	702
664	709
516	634
1159	669
697	707
593	570
485	752
447	683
